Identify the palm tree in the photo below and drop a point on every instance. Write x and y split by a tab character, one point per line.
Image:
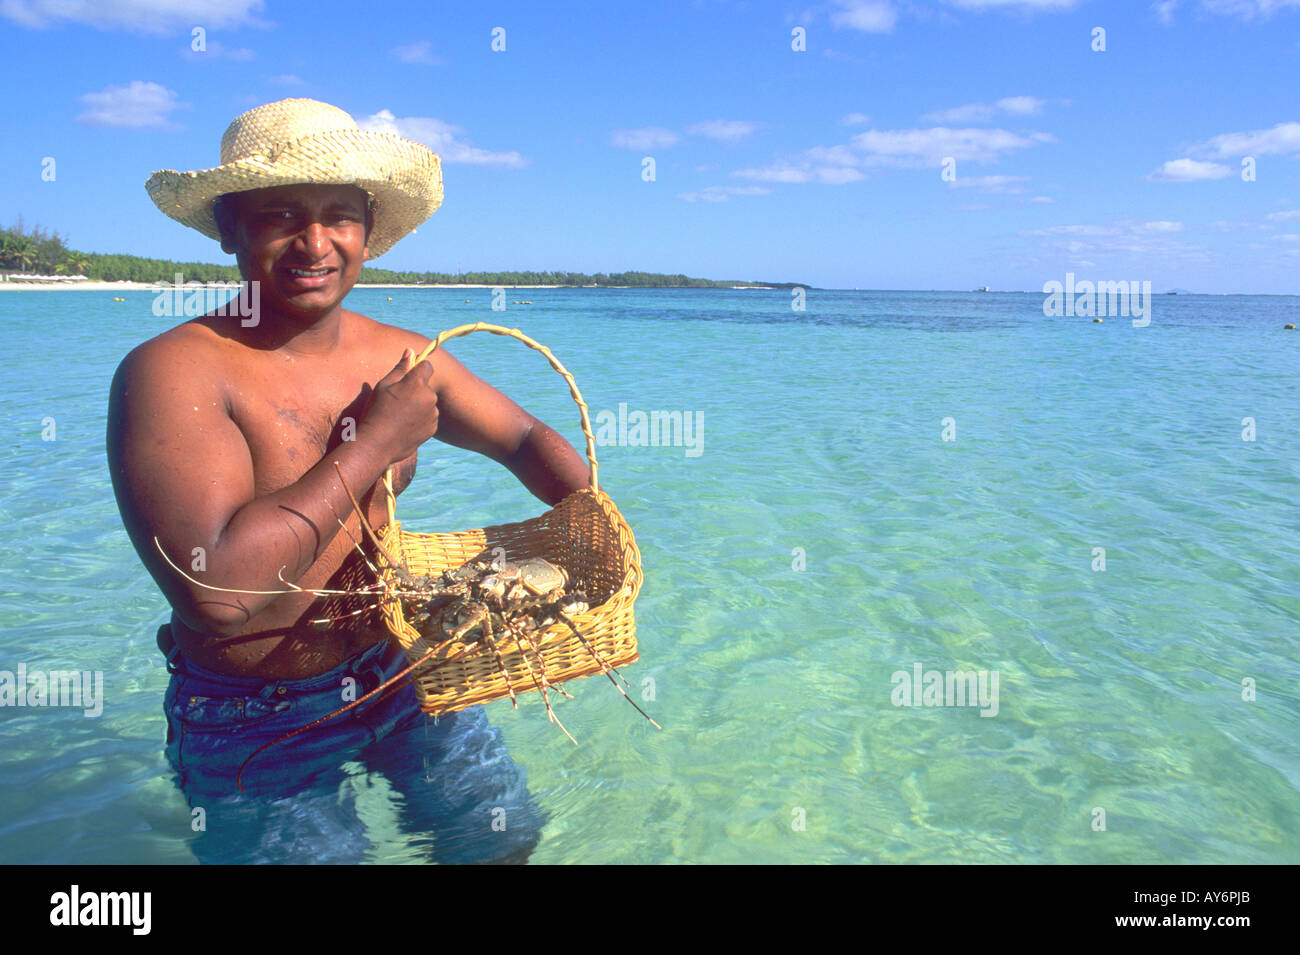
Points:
17	251
24	255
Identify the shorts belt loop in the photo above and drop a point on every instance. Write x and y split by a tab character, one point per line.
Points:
369	673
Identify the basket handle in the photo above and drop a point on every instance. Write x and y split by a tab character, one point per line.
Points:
462	330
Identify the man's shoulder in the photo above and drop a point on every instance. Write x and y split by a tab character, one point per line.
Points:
188	353
387	336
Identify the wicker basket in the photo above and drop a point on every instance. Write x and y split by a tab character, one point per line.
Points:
585	534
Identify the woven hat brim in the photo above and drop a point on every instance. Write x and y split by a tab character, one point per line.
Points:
404	177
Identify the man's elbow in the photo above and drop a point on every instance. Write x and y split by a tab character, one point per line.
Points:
217	618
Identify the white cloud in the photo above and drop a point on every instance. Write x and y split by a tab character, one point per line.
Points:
443	138
1021	105
215	50
1247	10
1239	225
137	105
837	175
983	112
286	79
869	16
1020	6
1164	11
420	52
1088	230
723	193
1043	200
1288	237
1000	185
802	172
724	130
1283	216
1189	170
913	147
158	17
777	172
1127	238
650	137
1282	139
902	148
831	155
971	113
855	119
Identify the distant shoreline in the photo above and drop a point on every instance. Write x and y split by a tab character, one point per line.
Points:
152	287
125	286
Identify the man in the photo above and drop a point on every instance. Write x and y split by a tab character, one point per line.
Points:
226	439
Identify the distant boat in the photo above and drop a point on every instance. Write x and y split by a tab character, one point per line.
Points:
984	289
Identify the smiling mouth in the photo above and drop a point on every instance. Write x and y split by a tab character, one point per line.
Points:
300	281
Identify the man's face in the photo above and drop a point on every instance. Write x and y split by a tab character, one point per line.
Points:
304	243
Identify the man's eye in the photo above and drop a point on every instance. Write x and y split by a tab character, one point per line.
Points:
289	215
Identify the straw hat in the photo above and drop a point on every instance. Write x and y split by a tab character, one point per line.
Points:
306	141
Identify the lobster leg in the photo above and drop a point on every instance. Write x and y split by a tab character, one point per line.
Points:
605	668
487	638
544	684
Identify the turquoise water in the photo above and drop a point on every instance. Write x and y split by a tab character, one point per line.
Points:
1118	689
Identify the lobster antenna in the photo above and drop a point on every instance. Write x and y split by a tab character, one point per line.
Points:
365	524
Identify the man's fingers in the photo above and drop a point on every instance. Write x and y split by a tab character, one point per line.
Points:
399	370
422	370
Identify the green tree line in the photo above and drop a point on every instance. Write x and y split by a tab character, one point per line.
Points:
46	253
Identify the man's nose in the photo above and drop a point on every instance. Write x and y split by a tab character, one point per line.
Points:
314	238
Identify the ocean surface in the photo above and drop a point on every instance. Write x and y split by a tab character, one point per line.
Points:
885	486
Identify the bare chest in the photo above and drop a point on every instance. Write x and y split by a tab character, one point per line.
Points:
290	425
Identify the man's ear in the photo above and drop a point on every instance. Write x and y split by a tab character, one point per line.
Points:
222	212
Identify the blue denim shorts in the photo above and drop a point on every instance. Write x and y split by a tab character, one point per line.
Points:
456	793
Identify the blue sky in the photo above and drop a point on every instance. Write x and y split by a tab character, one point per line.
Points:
823	165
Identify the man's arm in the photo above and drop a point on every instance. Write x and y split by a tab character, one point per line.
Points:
474	415
183	472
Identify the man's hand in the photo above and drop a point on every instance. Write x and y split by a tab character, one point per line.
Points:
403	410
